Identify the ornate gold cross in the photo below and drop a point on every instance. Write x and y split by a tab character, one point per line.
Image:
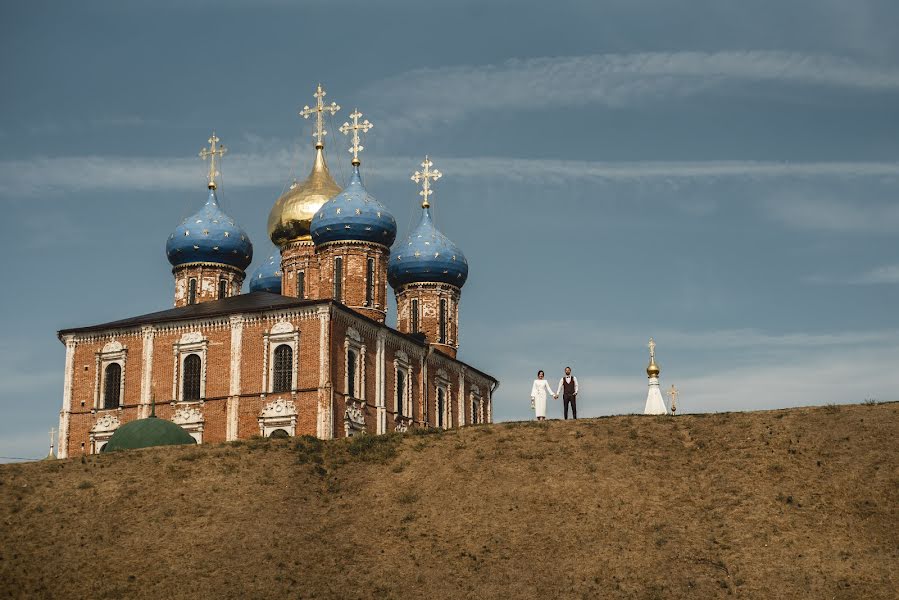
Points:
211	153
356	127
652	349
424	177
319	111
672	398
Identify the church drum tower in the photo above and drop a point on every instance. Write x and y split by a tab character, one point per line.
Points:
427	272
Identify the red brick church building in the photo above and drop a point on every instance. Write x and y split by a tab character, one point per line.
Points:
307	350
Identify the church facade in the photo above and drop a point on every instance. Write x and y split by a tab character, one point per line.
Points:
307	350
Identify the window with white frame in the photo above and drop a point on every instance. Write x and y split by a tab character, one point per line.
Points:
442	402
192	372
192	291
476	414
190	367
110	383
281	344
354	366
402	385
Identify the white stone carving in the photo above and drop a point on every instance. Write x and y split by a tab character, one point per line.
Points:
113	346
401	356
192	337
353	335
106	422
282	327
401	426
354	418
187	415
278	414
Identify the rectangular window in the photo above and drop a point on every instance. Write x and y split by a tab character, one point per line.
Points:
400	392
338	279
192	291
370	283
223	288
475	411
351	374
413	317
301	285
443	320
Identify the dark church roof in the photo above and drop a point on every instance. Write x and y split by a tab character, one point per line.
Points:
242	303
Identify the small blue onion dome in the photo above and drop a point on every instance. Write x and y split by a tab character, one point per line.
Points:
209	236
353	214
427	256
267	276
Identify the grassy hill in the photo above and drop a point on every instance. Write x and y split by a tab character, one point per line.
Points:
800	503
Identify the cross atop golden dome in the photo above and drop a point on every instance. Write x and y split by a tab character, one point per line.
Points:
211	153
319	110
653	369
356	127
425	176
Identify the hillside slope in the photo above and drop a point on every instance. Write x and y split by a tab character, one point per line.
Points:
800	503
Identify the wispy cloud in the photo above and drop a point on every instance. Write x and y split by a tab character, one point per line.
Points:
448	94
885	274
826	212
72	174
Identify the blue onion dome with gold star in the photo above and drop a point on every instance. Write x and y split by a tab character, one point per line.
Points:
427	256
267	276
353	214
209	235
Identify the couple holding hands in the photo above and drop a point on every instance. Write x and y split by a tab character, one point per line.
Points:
567	387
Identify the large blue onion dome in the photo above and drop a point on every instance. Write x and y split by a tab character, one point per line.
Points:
353	214
427	256
209	236
267	276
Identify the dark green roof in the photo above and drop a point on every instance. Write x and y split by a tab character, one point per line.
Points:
148	432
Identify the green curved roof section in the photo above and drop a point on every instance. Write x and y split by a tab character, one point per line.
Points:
145	433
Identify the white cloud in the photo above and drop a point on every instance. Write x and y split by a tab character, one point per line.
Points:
428	96
824	212
73	174
886	274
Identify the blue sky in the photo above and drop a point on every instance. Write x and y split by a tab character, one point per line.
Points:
720	175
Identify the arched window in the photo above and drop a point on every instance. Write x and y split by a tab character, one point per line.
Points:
192	291
400	392
475	411
112	385
413	323
279	434
370	283
441	401
351	374
443	320
338	279
301	284
223	288
192	367
282	378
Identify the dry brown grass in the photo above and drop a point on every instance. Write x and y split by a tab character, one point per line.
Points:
782	504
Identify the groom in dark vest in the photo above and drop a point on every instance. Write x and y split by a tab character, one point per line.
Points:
568	388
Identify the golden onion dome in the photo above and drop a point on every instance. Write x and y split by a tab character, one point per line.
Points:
653	369
292	214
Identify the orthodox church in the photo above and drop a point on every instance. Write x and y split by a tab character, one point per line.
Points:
307	350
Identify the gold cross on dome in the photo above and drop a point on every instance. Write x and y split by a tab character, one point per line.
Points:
52	433
319	111
356	127
211	153
652	349
424	177
672	397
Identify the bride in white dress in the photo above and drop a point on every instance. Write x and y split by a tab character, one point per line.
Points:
539	391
